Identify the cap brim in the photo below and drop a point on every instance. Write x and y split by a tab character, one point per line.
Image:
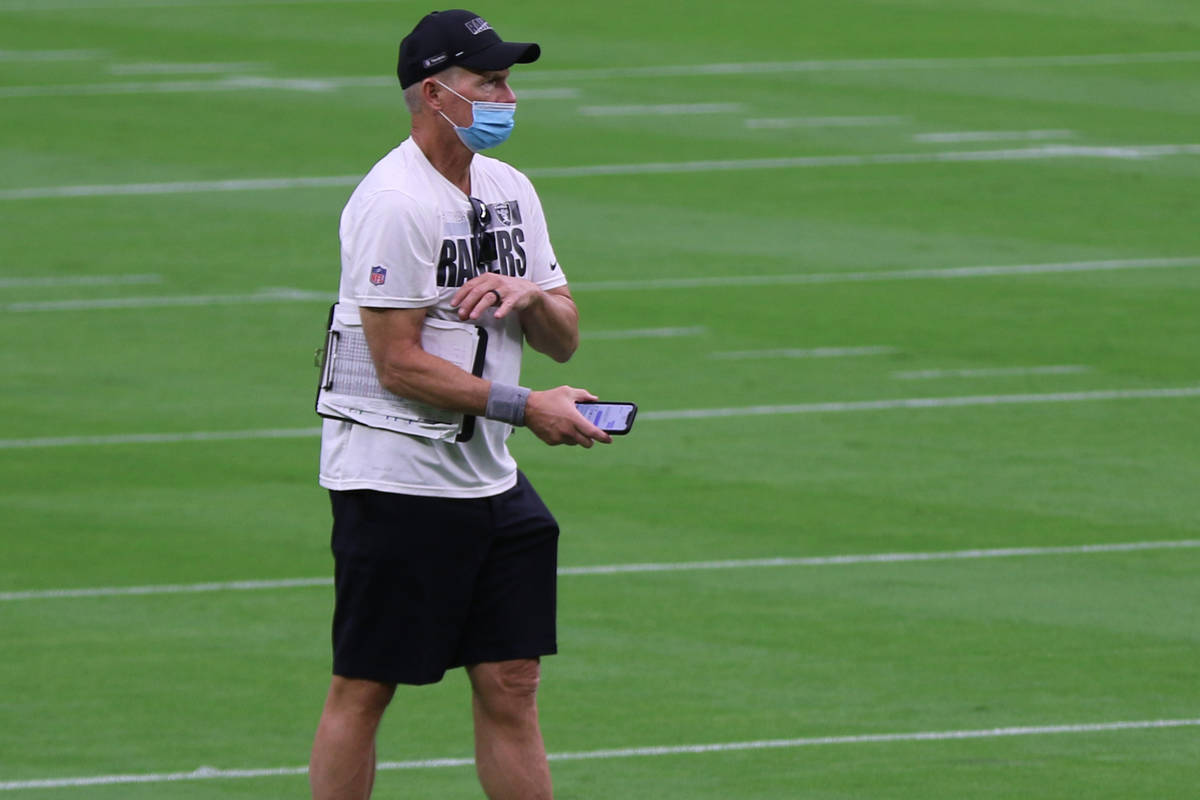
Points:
502	55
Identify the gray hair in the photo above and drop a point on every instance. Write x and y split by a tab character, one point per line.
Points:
412	99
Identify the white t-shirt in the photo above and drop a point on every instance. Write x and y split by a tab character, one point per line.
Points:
406	243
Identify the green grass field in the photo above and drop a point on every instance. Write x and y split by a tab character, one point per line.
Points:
775	217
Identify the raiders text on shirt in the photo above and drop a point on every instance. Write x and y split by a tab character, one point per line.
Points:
457	257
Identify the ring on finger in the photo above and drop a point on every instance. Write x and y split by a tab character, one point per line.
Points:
499	299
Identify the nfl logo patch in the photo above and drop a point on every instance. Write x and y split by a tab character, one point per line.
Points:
378	276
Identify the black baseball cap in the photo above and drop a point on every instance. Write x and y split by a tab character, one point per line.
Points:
457	38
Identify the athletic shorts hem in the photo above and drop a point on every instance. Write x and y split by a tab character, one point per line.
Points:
484	657
388	680
506	653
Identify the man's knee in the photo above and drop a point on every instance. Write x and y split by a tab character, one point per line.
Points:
506	688
361	697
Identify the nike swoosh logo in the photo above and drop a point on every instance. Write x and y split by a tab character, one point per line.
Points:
554	266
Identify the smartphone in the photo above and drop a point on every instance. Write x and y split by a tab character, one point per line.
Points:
614	418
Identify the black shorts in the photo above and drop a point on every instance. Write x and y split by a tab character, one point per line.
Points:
425	584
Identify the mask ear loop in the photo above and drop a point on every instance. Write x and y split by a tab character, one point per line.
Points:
453	124
451	91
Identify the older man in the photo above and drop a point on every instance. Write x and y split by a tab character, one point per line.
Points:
444	554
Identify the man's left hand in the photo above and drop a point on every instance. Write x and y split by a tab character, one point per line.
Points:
492	290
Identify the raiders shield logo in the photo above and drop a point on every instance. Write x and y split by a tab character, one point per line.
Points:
478	26
503	214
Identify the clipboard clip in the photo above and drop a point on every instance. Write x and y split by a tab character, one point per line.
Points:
326	357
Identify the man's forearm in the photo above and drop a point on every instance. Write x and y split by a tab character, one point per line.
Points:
552	326
428	379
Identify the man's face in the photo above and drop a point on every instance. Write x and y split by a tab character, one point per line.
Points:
489	87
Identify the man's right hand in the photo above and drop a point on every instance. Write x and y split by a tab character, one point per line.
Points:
553	418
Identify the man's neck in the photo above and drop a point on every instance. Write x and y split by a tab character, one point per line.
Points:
447	154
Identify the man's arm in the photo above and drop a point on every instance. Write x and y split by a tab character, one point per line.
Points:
552	326
405	369
549	317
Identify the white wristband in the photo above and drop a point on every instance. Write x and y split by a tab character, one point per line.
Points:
507	403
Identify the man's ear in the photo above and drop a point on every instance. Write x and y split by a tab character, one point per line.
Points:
431	93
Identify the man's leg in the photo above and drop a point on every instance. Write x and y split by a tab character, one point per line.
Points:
510	756
343	756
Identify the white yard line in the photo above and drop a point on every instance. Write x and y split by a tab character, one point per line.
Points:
993	136
136	5
178	187
181	588
284	295
991	372
1043	153
664	109
936	273
823	122
882	738
637	568
172	68
892	404
233	83
66	281
213	773
913	403
50	55
158	438
868	65
815	352
882	558
92	304
645	333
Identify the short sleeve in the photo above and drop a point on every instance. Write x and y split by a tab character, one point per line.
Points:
389	251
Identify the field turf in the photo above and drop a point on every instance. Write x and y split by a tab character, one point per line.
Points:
912	282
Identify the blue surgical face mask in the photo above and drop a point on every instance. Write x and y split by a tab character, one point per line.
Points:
491	123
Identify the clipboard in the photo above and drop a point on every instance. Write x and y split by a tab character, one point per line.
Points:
349	388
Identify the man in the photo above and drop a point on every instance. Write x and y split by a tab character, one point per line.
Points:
444	554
